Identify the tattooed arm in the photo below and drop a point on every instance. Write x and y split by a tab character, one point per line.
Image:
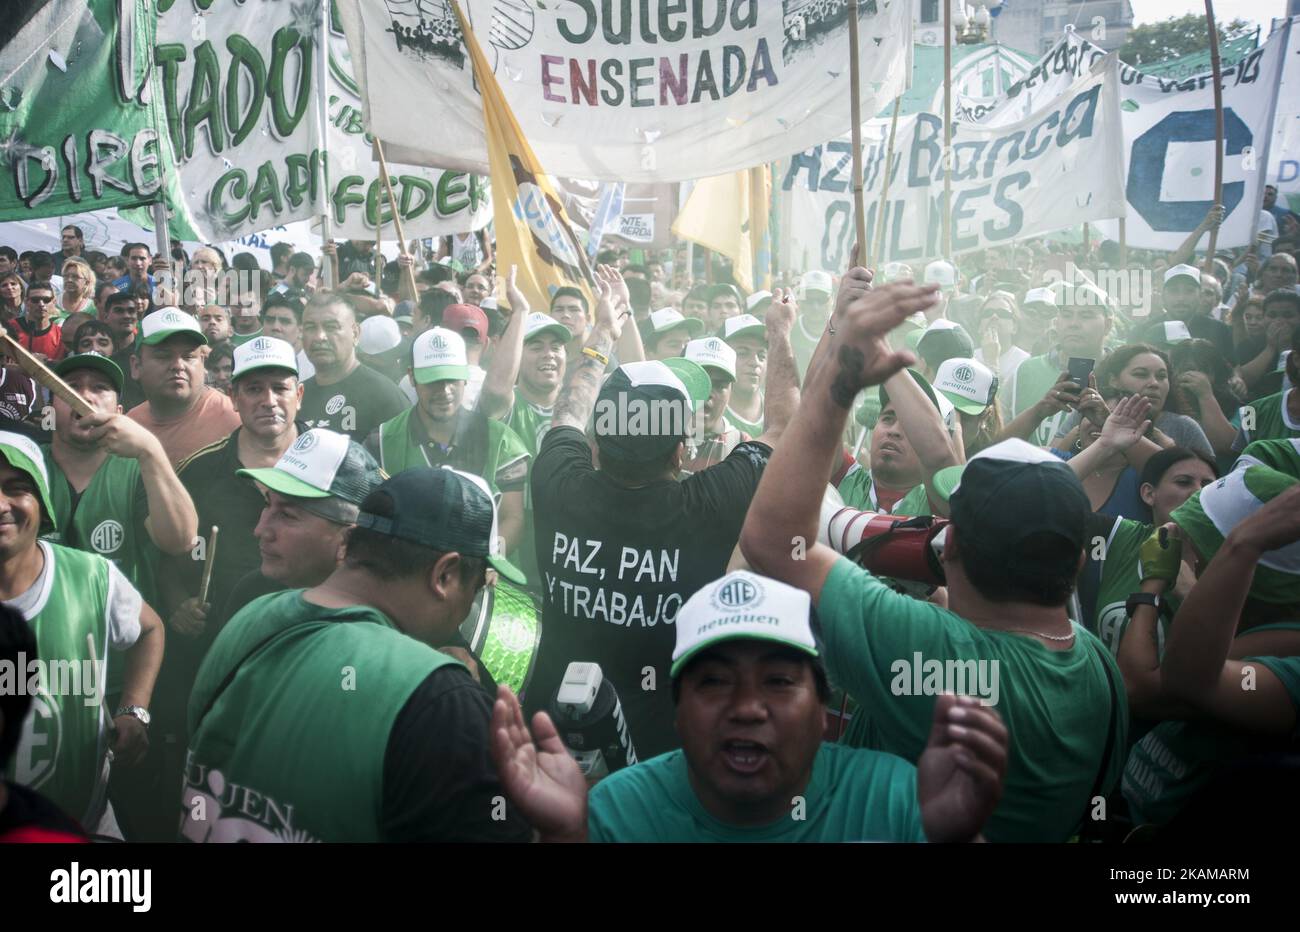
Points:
789	497
578	398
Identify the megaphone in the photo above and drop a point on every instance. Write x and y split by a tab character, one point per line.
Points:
906	549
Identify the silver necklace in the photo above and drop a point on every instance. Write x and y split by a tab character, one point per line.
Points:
1039	634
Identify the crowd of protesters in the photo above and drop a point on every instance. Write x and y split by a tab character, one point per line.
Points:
1001	548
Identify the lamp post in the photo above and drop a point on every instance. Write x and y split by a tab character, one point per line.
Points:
971	24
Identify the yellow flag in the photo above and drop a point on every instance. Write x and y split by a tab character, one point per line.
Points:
532	230
728	214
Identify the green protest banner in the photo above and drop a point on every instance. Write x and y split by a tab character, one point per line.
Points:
79	122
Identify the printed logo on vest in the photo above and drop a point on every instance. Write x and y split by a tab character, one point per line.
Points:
219	810
107	536
335	405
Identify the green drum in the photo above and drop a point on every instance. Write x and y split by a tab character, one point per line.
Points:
503	629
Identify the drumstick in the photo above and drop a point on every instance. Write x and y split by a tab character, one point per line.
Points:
207	565
44	375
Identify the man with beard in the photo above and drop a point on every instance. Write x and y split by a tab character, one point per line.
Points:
179	409
345	394
439	431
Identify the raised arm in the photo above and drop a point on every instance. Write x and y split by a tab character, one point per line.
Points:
628	348
1123	431
781	392
1213	217
788	501
923	425
499	384
1195	666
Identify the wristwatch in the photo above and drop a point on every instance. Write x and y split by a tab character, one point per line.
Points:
1143	598
135	711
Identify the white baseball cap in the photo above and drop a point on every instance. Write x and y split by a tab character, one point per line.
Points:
940	273
379	334
1045	296
969	384
669	318
713	353
743	605
895	270
167	322
1183	271
539	325
816	280
438	355
757	298
264	353
743	325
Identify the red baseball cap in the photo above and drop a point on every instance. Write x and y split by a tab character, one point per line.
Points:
462	317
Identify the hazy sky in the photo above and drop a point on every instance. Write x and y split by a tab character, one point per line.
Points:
1259	12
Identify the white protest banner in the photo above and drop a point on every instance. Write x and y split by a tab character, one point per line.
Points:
651	90
1284	151
1169	139
241	85
1057	168
431	202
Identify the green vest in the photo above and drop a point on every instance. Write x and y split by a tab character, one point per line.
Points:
95	524
62	751
859	491
530	422
480	452
753	428
1120	578
290	717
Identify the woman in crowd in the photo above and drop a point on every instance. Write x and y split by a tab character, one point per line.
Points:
1203	387
78	288
13	291
1142	369
998	323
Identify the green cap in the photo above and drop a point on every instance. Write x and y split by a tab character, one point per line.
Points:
166	322
24	455
97	361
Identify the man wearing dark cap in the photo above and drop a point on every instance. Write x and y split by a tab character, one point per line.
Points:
364	730
312	494
1011	556
622	545
750	693
940	341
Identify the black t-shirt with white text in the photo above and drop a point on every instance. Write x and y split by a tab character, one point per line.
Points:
354	405
616	564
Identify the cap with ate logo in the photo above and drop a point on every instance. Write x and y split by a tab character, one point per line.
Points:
713	353
321	464
167	322
969	384
264	353
743	606
438	355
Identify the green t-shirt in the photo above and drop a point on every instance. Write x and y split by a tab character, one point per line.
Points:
882	648
239	339
1270	417
1120	578
1032	380
1282	455
853	795
803	344
859	491
1175	759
